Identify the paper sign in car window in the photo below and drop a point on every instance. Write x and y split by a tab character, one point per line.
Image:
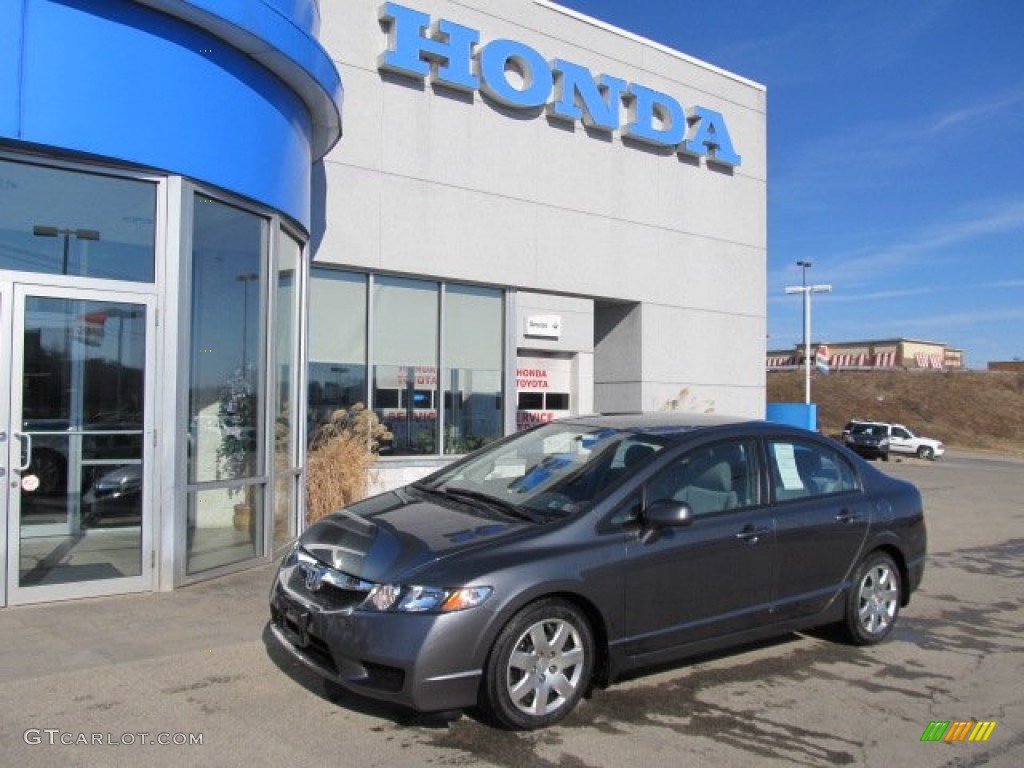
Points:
785	460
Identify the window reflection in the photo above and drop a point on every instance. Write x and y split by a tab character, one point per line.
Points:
408	384
337	344
286	462
82	412
62	222
474	332
405	316
225	389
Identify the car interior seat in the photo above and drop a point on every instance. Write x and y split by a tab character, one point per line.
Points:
711	491
815	477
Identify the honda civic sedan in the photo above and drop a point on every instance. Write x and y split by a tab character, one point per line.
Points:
514	580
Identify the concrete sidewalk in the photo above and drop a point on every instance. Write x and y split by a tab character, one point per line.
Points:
190	677
77	635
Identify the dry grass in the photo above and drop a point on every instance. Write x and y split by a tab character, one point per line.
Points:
968	409
339	460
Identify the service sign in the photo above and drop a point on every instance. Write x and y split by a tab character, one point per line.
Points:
519	77
544	326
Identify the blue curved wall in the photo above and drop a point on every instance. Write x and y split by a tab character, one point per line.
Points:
236	93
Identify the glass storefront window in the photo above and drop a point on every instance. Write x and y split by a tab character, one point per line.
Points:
405	323
62	222
337	344
286	464
407	394
226	397
474	334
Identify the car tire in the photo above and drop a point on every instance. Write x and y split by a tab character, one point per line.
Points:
873	603
924	452
539	667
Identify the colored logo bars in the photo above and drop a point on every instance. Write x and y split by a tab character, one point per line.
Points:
958	730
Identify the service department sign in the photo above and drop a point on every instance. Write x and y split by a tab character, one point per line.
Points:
520	77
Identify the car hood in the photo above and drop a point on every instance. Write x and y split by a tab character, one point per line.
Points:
386	538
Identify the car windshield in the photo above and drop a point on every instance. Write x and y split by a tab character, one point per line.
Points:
551	471
874	430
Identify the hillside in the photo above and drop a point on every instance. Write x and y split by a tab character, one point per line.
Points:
966	409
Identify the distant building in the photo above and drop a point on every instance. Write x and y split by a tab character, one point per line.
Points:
879	354
1011	366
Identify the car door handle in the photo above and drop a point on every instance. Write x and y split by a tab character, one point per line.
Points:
847	516
751	534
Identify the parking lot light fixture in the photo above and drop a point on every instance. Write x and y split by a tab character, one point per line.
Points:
807	290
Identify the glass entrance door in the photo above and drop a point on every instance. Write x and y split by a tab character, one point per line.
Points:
77	455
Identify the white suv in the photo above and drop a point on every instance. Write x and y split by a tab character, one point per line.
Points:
902	440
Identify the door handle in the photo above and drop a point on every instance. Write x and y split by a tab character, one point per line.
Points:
751	535
846	516
27	439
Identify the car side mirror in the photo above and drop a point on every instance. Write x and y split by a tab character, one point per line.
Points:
668	513
665	513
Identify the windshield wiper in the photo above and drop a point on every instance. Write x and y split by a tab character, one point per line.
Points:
505	506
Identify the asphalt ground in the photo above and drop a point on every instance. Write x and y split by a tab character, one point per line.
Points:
193	678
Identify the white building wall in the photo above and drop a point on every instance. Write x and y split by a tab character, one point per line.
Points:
427	181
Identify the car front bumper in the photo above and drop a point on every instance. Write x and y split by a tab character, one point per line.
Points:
870	450
425	661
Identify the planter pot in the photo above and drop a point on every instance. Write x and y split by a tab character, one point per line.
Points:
242	517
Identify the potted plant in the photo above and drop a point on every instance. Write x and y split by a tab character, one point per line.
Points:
339	459
237	417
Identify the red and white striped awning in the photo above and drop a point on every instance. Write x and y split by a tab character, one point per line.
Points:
924	360
849	360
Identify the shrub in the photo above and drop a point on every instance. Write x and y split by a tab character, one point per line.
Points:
339	460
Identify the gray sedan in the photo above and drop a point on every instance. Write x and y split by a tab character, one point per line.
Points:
568	555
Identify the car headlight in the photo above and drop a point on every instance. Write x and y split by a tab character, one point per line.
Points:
417	599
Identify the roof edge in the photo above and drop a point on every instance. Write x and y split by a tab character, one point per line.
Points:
278	43
649	43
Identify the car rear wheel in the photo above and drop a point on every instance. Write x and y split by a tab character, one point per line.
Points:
924	452
874	601
539	667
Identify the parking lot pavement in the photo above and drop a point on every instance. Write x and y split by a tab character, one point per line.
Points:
116	676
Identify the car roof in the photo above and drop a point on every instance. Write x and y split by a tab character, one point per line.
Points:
662	422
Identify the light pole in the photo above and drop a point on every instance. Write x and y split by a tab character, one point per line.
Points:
807	290
43	230
245	279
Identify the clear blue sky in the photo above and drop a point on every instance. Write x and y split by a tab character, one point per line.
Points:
895	156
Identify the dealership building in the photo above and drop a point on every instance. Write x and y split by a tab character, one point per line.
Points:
222	222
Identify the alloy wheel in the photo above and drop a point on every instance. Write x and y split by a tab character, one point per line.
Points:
878	598
546	667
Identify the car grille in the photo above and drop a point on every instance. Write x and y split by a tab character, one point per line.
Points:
328	587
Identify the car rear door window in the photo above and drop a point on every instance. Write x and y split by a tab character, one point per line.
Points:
802	469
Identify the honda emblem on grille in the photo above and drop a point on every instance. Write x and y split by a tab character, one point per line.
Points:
314	577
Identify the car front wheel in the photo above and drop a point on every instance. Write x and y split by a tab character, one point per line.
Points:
924	452
874	601
539	667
